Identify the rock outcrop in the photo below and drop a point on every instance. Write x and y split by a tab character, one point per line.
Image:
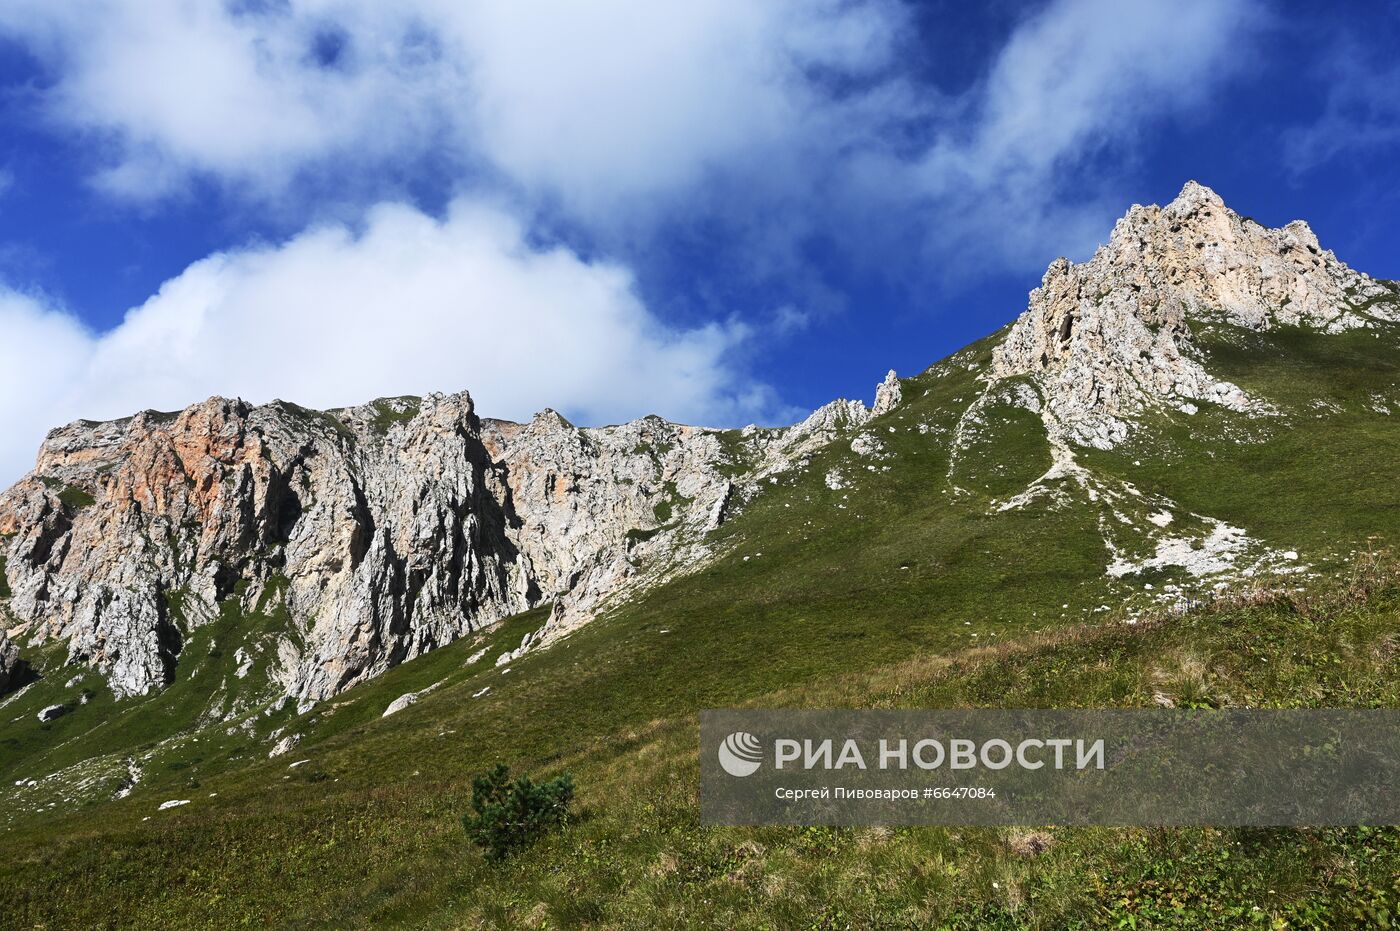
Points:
386	529
887	395
391	528
10	664
1111	337
407	699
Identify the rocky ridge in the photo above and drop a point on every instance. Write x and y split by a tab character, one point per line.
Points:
386	529
1109	338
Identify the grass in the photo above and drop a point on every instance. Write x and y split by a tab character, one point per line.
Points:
375	840
71	496
169	729
1273	484
75	498
637	536
391	411
737	453
324	418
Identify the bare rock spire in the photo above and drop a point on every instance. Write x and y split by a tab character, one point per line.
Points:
887	394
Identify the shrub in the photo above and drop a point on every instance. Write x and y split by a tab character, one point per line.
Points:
509	814
75	498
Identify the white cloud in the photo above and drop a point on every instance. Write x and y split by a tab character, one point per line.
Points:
626	114
41	354
409	304
1078	80
624	99
233	91
1080	74
590	103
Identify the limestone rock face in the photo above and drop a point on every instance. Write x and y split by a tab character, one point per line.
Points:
1110	337
284	746
386	530
887	395
9	662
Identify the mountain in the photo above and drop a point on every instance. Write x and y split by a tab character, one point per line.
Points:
1109	339
383	530
405	591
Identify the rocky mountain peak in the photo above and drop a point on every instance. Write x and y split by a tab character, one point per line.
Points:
1107	338
550	419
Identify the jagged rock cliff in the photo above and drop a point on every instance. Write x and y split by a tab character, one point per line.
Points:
1111	337
387	529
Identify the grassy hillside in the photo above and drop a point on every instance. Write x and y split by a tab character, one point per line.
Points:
892	576
367	832
1318	476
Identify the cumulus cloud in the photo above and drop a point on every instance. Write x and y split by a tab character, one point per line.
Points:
592	104
41	354
623	114
406	304
626	98
247	93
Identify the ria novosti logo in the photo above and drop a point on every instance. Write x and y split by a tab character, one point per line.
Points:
740	754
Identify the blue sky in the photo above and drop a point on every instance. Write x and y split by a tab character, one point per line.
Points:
721	212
